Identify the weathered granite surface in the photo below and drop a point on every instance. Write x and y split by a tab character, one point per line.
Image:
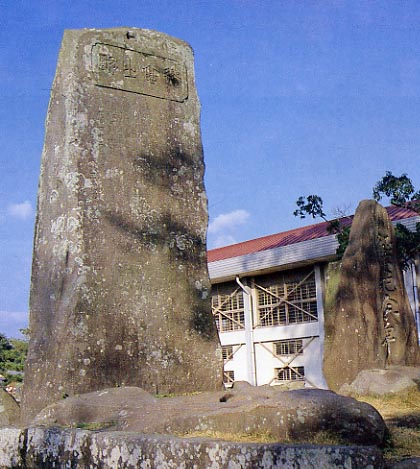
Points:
11	441
297	415
120	288
407	463
379	382
36	448
9	409
370	324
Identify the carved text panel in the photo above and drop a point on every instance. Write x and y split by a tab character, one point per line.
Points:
138	72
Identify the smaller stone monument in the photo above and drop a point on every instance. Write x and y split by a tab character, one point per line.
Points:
370	323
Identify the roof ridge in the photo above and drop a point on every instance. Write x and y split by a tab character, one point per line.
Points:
292	236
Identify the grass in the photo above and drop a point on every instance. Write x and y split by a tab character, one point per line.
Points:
179	394
261	437
265	437
401	412
94	426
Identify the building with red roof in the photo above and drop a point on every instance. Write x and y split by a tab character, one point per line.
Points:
268	302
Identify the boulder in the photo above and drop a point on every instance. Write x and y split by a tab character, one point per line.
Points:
368	323
380	382
9	410
407	463
38	447
291	415
12	441
104	407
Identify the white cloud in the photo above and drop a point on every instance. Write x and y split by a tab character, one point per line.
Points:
22	211
11	322
223	240
227	221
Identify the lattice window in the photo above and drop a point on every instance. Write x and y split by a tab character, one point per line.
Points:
228	378
228	308
297	373
287	299
289	347
227	352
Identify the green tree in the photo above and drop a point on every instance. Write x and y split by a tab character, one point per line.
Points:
313	206
5	347
16	356
401	193
399	189
12	358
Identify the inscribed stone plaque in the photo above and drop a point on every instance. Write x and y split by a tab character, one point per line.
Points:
135	71
120	289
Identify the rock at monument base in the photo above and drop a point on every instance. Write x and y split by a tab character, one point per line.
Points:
369	323
11	442
289	415
9	410
407	463
380	382
46	448
120	288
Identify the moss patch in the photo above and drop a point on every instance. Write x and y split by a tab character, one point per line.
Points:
95	426
332	281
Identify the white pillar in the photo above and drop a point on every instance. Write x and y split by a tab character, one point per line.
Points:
319	285
416	281
249	335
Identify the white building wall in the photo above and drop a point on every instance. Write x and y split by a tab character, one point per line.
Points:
261	349
411	281
313	357
266	361
261	339
236	364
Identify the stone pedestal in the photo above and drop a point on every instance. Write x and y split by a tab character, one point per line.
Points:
120	289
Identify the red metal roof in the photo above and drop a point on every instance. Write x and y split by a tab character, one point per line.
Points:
295	236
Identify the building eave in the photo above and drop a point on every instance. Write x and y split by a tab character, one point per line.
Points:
285	257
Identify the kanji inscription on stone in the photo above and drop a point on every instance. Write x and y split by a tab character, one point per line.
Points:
135	71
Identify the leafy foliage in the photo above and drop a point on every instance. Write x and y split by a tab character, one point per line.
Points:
312	206
15	358
401	192
408	244
5	346
343	241
12	357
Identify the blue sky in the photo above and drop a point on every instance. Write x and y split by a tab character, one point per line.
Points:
297	97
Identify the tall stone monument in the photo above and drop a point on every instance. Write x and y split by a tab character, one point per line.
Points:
120	288
370	324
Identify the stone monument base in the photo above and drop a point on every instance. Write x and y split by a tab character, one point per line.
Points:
133	429
37	447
